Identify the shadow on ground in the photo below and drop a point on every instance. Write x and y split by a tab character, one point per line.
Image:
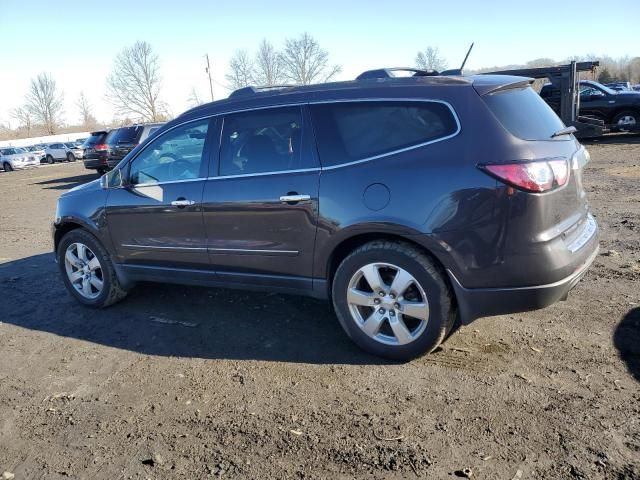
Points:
627	340
179	321
67	183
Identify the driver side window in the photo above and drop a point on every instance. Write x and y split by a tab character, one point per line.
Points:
176	155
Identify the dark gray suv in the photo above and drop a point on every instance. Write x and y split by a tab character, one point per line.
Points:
408	202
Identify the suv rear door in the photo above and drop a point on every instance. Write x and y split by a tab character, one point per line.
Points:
260	211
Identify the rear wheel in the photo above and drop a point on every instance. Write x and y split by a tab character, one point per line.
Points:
50	159
87	270
392	300
7	167
71	157
627	120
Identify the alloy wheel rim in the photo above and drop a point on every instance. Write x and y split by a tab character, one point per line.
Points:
388	303
627	120
84	270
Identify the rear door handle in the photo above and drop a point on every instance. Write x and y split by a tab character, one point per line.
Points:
294	198
182	203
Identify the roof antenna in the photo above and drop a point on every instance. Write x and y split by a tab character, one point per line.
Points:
458	71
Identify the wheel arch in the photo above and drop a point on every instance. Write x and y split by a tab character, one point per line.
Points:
66	226
341	250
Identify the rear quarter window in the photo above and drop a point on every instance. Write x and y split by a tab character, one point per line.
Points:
524	114
352	131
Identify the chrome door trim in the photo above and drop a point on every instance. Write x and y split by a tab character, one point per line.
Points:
156	247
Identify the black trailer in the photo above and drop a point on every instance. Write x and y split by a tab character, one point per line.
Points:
565	78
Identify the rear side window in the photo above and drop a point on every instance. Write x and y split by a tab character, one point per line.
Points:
352	131
523	113
263	141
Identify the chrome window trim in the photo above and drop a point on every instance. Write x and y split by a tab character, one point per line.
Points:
316	102
169	182
261	174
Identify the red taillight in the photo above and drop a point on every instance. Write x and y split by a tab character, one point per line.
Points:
539	176
101	147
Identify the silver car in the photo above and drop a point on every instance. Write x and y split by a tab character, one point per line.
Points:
14	158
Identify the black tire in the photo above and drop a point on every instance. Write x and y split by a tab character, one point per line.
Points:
7	167
112	292
101	171
71	157
425	271
635	115
50	159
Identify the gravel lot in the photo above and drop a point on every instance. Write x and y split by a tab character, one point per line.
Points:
183	382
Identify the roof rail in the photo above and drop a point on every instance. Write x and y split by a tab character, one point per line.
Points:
251	90
389	73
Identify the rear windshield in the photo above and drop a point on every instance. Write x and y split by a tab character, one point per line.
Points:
525	114
125	135
94	139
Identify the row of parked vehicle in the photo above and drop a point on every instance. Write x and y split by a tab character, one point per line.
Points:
13	158
623	87
104	149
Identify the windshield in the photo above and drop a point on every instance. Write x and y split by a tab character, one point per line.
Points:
70	145
20	150
605	89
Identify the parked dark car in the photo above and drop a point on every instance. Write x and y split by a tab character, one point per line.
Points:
408	202
619	110
96	151
121	141
114	145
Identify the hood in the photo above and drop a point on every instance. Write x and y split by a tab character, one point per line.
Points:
85	187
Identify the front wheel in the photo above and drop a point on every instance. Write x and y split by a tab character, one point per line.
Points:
71	157
87	270
7	167
50	159
393	300
627	120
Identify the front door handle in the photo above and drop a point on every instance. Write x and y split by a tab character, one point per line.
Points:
294	198
182	202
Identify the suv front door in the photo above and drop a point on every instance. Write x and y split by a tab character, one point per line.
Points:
155	218
261	209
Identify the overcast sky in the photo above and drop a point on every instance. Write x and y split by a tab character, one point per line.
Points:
76	41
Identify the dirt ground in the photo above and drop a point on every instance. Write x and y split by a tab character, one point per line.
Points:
183	382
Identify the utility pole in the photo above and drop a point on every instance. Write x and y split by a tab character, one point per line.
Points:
208	70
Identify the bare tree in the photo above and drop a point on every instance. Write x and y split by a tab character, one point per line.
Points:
85	107
133	87
44	102
431	59
304	62
241	70
268	65
194	98
24	118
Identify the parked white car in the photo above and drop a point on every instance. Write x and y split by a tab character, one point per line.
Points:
37	150
61	151
13	158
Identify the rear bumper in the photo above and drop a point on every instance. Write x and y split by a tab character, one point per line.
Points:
94	163
474	303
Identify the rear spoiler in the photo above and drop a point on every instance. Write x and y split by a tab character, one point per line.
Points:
487	84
